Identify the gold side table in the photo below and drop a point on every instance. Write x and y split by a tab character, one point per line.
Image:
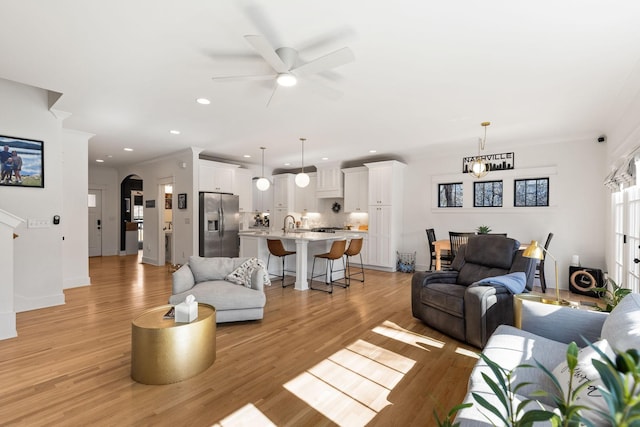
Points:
165	352
519	299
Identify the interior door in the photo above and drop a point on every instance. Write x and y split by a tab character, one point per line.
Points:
95	222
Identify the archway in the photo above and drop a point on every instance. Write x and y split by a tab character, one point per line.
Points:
131	215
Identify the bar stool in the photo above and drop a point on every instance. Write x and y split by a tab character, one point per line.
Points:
355	248
336	252
276	248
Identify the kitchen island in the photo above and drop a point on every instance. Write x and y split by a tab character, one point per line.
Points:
306	245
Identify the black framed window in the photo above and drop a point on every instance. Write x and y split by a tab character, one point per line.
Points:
450	195
487	194
531	192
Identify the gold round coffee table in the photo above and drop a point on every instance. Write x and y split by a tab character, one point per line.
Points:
165	352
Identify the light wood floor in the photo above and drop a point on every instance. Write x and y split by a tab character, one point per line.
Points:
352	358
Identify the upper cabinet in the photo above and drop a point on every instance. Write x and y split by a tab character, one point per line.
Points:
242	181
216	177
262	200
385	182
283	190
356	193
305	198
329	180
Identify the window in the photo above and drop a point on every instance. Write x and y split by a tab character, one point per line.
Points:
487	194
450	195
531	192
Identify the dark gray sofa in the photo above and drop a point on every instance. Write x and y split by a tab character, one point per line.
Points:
450	302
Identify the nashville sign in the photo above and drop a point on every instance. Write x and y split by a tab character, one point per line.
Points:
495	162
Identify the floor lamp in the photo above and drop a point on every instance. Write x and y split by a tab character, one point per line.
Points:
535	251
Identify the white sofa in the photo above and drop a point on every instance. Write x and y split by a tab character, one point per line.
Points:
204	278
546	331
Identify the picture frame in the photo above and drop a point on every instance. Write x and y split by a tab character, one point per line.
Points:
25	167
182	201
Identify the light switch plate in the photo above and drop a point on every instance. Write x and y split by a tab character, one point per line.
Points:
38	223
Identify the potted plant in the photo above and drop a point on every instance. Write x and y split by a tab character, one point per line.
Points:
483	229
611	295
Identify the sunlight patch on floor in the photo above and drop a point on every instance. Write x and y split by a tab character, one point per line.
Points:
247	416
351	386
396	332
468	353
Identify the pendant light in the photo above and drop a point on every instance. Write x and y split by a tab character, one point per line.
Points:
302	179
479	167
263	183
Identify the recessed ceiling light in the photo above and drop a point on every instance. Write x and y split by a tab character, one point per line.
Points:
174	132
99	160
110	156
247	156
287	164
373	151
128	149
325	158
203	101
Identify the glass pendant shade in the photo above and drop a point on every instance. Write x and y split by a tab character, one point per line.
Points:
263	184
479	168
302	180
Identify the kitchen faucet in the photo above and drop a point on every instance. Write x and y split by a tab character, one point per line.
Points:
284	225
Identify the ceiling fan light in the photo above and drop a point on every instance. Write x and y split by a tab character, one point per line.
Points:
302	180
286	79
263	184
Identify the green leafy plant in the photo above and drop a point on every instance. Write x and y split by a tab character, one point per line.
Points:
611	294
620	390
448	420
483	229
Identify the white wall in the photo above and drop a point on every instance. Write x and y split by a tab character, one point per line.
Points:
42	258
577	218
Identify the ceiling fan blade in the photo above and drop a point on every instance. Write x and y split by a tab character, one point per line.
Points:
326	62
273	92
244	78
262	46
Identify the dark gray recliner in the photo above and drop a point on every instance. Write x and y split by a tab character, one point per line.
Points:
450	302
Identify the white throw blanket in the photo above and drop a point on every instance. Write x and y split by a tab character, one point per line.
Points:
242	274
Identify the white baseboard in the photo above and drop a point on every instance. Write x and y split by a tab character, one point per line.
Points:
26	304
151	261
8	325
76	282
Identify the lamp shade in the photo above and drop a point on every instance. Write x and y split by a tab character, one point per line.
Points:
302	180
533	251
263	184
286	79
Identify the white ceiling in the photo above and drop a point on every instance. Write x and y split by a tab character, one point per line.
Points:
426	73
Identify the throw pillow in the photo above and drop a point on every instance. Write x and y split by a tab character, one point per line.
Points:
622	326
242	274
590	396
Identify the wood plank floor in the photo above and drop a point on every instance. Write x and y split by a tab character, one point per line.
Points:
356	357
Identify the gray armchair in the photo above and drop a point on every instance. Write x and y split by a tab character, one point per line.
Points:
450	302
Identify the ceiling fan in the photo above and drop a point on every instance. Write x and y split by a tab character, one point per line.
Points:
285	64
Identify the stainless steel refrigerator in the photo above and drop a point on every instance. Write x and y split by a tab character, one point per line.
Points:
219	224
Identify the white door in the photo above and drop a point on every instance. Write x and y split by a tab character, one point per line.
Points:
95	222
626	215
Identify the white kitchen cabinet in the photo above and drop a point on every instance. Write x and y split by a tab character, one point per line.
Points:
215	176
242	181
262	200
381	252
385	213
283	190
356	189
330	181
386	180
305	198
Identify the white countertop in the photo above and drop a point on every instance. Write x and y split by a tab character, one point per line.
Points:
307	235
